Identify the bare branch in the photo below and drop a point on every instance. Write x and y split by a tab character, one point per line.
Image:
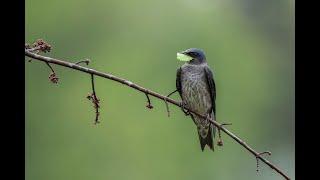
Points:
154	94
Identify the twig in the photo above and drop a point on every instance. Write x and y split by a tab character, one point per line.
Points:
149	102
260	154
95	101
87	61
154	94
167	106
34	49
52	70
52	77
220	142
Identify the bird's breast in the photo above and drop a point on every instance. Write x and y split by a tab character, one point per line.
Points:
195	91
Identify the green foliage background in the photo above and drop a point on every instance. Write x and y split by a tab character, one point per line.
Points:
249	44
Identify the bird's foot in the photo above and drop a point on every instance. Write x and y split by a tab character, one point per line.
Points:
186	112
172	93
208	117
220	142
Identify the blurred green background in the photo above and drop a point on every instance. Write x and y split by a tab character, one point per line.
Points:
248	43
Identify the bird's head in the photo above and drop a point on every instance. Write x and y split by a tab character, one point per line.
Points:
192	56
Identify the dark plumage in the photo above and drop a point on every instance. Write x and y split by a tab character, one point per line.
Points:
196	87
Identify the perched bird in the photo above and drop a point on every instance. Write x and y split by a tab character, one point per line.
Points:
196	86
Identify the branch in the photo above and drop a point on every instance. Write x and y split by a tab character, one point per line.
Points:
147	92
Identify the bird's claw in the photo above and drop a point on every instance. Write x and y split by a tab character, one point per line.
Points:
172	93
186	112
208	117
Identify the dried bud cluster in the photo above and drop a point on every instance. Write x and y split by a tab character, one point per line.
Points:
95	101
53	78
38	46
43	46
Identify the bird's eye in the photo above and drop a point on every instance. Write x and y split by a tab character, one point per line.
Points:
194	54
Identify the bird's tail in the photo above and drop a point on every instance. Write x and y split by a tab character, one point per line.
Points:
207	140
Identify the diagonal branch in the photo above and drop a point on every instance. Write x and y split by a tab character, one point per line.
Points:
154	94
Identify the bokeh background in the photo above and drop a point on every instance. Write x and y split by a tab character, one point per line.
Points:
248	43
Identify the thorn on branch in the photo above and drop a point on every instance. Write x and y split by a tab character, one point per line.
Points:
86	61
259	154
167	106
149	102
220	142
95	101
53	77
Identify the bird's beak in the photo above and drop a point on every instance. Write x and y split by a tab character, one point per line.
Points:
182	56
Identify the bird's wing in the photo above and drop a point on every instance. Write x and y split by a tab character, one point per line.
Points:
178	81
212	87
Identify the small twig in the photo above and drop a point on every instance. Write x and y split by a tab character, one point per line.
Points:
86	61
259	156
34	49
52	77
52	70
220	142
94	100
167	106
149	102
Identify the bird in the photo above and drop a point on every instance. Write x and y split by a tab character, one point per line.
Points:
196	86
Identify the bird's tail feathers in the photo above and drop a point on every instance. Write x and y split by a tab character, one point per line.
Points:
207	140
